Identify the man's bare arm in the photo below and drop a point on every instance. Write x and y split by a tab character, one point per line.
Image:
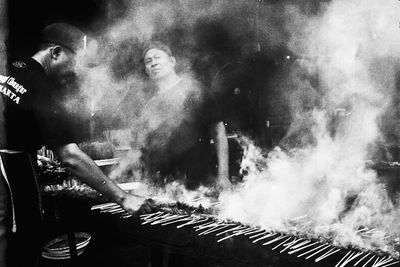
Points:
84	169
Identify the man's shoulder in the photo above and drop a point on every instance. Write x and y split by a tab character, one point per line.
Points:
24	80
28	71
24	65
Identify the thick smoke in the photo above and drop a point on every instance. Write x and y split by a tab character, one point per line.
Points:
339	89
322	174
111	66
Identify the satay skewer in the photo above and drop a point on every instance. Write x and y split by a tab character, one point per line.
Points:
390	264
264	237
175	221
309	251
317	252
365	264
302	247
327	254
281	243
366	255
274	240
260	234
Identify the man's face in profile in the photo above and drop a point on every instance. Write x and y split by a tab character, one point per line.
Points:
63	66
158	64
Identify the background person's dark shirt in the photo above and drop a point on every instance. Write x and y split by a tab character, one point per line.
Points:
177	140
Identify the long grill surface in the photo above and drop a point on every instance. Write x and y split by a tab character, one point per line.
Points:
253	245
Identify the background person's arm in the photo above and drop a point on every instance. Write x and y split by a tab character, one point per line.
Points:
218	133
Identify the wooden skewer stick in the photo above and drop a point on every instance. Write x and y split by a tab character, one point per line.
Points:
329	253
350	258
216	229
361	259
342	259
229	236
315	253
370	231
264	237
303	247
194	221
175	221
211	226
390	264
309	251
165	219
109	210
149	214
229	230
146	221
153	219
118	211
172	218
389	259
281	243
289	245
243	231
114	209
226	237
257	235
301	244
205	225
274	240
365	264
254	232
377	258
101	206
381	262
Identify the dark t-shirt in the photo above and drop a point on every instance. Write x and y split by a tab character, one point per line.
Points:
172	129
34	113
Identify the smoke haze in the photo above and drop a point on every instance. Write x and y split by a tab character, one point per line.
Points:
324	177
339	90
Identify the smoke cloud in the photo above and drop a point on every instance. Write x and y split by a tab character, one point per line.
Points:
202	36
340	92
352	46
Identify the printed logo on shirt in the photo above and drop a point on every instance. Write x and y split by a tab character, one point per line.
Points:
12	84
19	64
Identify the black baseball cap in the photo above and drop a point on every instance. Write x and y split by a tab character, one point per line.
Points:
65	35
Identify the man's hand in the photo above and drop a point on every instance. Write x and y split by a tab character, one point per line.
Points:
136	204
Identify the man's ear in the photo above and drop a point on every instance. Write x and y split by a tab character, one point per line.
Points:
173	60
55	51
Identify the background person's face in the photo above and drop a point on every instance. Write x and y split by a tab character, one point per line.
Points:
158	64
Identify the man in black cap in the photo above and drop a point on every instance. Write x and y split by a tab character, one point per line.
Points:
181	119
36	116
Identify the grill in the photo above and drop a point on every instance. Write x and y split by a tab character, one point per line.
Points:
242	243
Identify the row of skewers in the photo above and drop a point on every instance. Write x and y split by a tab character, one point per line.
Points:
300	247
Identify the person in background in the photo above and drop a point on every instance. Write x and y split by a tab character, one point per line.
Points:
180	119
35	116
